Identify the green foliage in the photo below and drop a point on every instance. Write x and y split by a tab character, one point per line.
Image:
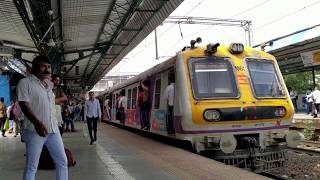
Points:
308	132
300	82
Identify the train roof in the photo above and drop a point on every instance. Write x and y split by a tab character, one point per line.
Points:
142	76
166	64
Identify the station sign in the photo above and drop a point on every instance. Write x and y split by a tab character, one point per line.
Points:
6	51
311	58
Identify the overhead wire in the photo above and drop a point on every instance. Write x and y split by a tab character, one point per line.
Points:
287	15
280	18
169	28
159	36
203	29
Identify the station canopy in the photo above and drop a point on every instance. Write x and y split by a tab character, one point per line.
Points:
299	57
84	39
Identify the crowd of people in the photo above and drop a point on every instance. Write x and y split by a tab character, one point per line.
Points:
44	112
312	101
9	118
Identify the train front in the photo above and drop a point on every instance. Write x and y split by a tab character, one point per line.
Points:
236	107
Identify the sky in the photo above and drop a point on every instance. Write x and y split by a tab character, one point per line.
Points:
270	19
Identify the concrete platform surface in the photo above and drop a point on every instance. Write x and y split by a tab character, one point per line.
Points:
119	154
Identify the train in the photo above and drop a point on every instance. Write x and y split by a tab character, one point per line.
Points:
230	102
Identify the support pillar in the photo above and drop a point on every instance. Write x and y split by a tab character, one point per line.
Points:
313	78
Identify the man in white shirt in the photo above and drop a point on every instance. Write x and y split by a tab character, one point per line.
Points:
92	113
316	100
37	102
169	96
122	105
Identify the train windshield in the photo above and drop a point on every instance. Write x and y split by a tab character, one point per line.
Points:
212	77
264	78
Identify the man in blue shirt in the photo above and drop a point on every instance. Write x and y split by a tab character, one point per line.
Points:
92	113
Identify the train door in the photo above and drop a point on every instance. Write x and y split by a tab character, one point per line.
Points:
159	112
156	119
170	95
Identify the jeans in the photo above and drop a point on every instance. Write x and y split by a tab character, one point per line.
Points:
68	121
92	123
10	123
34	144
2	122
145	114
170	127
76	116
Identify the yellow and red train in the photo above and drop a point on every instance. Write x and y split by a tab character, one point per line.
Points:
229	100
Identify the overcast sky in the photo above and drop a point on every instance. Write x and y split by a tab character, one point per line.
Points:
270	19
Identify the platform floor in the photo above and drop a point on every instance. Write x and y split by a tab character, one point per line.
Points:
119	154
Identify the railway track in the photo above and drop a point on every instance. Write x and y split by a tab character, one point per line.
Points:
272	176
311	148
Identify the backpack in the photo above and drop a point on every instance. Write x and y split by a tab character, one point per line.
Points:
46	161
71	161
77	109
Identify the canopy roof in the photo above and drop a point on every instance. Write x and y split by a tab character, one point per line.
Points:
83	38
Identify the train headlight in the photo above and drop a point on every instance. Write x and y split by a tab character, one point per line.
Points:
236	48
211	115
280	112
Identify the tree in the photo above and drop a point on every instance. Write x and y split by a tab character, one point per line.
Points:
300	82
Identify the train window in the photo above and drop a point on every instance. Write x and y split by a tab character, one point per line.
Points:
134	97
157	94
212	78
264	78
129	99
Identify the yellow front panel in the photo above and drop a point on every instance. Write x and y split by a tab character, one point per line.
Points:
246	96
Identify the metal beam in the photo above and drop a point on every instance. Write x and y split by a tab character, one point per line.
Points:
82	50
78	59
123	22
108	43
147	10
245	24
285	36
129	42
29	25
131	29
60	24
106	18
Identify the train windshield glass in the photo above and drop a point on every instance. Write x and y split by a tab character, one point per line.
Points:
212	77
264	78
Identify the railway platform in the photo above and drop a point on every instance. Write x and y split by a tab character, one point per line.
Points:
120	154
303	120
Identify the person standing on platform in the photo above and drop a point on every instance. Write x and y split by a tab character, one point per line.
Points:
3	116
17	118
92	114
77	112
61	98
294	98
11	116
169	96
37	102
316	101
309	100
82	112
